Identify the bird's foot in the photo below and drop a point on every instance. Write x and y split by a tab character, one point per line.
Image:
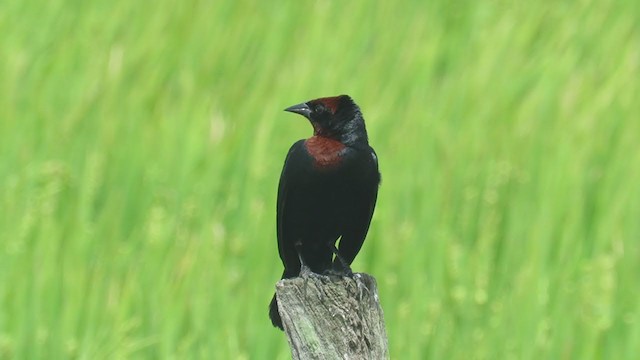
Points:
306	274
361	285
339	270
340	266
305	270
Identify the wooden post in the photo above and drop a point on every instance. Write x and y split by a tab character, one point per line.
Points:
328	317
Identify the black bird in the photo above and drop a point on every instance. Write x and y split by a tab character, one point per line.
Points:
328	190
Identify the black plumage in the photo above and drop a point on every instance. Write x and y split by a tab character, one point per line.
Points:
328	190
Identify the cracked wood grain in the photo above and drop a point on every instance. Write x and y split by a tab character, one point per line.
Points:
329	317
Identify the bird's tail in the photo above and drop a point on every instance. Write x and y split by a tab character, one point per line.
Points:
274	315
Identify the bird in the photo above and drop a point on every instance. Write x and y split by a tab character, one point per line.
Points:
327	191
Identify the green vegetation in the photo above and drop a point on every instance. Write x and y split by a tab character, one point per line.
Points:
141	143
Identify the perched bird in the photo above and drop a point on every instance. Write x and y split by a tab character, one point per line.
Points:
327	191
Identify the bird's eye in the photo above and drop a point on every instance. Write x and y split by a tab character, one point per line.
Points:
318	108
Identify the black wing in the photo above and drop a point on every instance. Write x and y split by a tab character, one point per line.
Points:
286	244
364	205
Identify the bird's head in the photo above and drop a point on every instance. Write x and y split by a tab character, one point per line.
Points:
336	117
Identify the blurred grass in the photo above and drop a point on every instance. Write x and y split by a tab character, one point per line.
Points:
141	144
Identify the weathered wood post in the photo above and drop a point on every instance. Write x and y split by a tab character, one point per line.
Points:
328	317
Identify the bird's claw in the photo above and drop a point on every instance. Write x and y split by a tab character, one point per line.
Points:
340	272
361	285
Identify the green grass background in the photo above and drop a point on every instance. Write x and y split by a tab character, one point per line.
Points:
141	144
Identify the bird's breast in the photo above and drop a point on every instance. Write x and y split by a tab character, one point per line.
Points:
325	152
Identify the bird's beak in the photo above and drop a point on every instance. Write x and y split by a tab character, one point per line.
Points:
302	109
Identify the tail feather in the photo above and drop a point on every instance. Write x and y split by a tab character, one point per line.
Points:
274	315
